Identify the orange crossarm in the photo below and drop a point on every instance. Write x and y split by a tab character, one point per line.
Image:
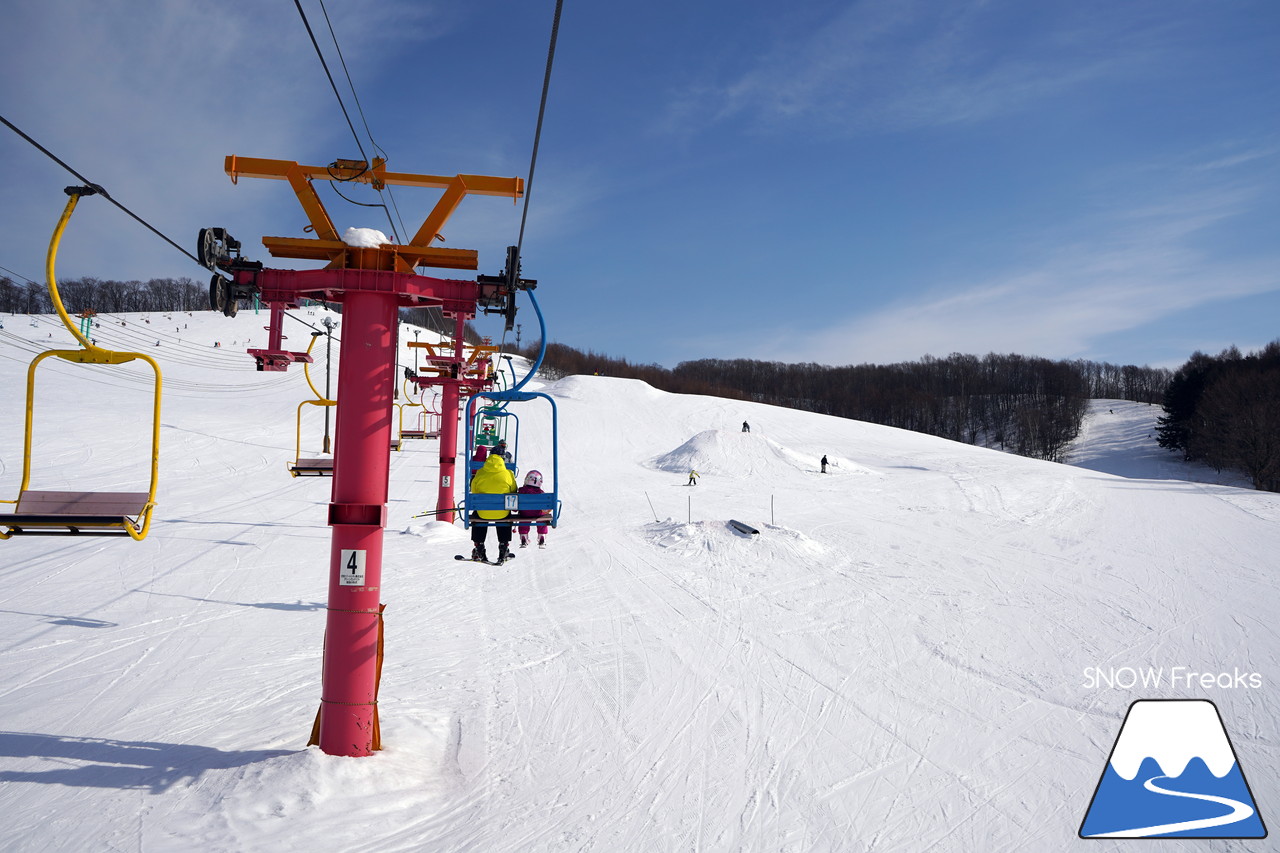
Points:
259	167
327	246
320	221
448	203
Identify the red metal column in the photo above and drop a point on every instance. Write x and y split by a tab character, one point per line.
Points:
366	379
275	327
449	430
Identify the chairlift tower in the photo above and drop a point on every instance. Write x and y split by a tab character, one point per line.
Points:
459	372
372	284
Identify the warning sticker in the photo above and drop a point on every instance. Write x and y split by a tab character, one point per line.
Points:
352	568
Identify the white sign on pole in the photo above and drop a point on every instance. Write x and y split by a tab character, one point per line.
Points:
352	573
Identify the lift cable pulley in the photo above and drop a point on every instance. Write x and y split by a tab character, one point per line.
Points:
218	250
498	292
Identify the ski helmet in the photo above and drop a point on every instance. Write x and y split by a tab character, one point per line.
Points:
533	478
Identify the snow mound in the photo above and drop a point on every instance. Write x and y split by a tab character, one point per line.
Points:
364	238
731	453
263	805
717	540
603	388
435	532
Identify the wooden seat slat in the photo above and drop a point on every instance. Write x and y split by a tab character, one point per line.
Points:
312	468
20	519
82	504
73	513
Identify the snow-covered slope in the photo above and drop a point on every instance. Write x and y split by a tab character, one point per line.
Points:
1119	437
899	661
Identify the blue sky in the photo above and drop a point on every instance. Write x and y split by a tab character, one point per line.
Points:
816	181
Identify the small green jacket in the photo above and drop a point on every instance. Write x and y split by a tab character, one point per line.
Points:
493	478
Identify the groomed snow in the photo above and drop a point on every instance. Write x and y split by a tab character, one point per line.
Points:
896	662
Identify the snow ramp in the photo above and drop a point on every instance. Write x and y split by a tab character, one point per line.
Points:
717	542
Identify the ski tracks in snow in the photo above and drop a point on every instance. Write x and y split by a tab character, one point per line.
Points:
717	736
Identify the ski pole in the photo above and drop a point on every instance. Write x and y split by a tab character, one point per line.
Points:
436	512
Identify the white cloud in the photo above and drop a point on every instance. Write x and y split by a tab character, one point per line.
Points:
895	65
1141	267
147	98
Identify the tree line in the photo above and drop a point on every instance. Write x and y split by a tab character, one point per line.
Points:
105	296
1224	410
108	296
1030	406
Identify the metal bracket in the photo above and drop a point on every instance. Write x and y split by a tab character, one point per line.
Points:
498	292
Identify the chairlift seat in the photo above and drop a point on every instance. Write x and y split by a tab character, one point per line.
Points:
41	513
312	467
544	504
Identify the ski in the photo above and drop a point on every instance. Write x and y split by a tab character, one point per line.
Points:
510	557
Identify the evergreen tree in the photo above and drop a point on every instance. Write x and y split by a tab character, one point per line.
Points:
1181	398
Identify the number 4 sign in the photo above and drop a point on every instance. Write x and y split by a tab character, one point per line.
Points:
352	573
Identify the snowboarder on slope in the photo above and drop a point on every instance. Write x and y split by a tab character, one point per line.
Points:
693	478
532	486
824	463
746	427
493	478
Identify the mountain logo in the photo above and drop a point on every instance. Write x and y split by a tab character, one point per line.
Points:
1172	774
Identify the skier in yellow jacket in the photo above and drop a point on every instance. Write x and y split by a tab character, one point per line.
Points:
493	478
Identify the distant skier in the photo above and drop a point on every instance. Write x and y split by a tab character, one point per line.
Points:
693	478
746	427
532	486
493	478
824	463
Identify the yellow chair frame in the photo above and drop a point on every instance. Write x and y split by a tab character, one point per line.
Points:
80	513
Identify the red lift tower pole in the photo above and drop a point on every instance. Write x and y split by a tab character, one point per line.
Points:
449	431
371	284
366	378
457	374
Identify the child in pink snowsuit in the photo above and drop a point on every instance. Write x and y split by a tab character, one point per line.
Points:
532	486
